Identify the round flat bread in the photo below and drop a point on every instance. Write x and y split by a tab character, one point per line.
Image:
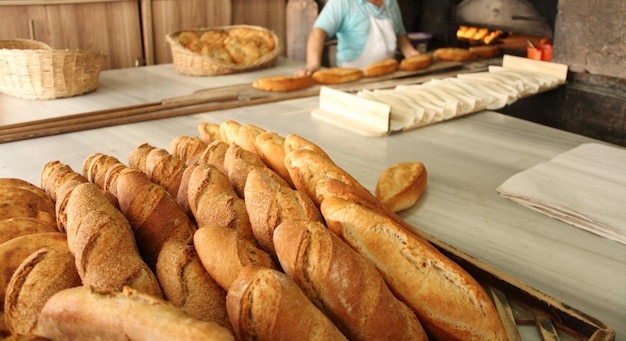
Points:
417	62
455	54
337	75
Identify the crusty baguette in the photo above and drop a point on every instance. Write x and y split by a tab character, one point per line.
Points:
103	244
246	137
16	250
82	313
159	165
208	132
381	68
41	275
187	148
266	305
270	203
224	253
450	303
343	284
283	83
214	154
401	185
307	168
271	147
187	284
213	202
229	130
95	167
294	142
417	62
337	75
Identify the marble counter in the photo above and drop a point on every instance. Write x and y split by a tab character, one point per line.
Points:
467	159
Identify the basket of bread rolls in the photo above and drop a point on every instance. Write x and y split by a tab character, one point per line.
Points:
223	50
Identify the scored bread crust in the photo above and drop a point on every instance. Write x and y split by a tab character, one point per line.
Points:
455	54
401	185
381	68
283	83
417	62
337	75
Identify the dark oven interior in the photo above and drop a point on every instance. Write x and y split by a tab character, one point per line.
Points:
512	22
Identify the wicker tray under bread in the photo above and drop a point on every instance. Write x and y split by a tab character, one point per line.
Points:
188	62
31	69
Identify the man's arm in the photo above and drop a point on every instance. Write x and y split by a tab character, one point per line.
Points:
314	49
406	48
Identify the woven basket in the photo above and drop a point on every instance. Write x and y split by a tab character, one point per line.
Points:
33	70
187	62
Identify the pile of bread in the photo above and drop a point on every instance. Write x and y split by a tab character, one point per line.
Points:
237	45
478	34
236	233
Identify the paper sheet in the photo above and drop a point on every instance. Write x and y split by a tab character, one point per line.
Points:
585	187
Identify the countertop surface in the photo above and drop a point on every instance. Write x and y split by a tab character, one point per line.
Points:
467	158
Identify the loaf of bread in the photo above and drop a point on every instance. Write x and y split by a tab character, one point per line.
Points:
266	305
21	199
95	167
283	83
401	185
82	313
455	54
450	303
14	227
214	154
187	285
417	62
246	137
337	75
224	253
229	130
270	203
294	142
343	284
381	68
41	275
103	244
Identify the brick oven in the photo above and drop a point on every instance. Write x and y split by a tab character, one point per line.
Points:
588	36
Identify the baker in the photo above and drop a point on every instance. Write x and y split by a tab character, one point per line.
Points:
367	31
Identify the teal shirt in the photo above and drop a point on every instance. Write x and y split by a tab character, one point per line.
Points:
348	20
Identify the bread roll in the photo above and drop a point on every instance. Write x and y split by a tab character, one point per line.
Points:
343	284
16	250
401	185
417	62
82	313
450	303
187	285
455	54
270	203
485	51
381	68
41	275
337	75
283	83
265	304
224	253
103	244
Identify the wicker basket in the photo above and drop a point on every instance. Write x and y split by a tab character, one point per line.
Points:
190	63
33	70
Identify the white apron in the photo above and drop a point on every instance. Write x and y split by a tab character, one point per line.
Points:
381	44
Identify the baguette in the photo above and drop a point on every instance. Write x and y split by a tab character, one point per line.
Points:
208	132
455	54
381	68
82	313
42	274
159	165
270	203
415	270
224	253
187	148
266	305
271	147
337	75
229	130
343	284
417	62
103	244
283	83
294	142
